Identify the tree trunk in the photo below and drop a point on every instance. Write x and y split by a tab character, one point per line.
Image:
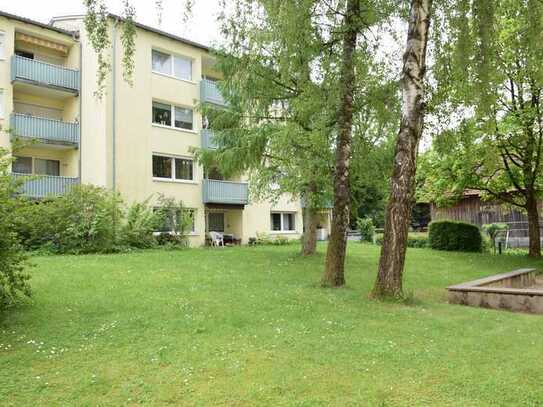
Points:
335	256
533	227
398	212
309	241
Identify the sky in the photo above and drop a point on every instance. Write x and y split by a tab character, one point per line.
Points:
201	27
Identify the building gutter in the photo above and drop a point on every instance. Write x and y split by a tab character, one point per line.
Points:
114	108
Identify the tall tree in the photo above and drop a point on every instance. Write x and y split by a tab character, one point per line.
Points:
490	71
389	282
334	273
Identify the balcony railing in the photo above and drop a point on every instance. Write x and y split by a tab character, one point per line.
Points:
44	186
43	129
44	74
210	93
226	192
207	139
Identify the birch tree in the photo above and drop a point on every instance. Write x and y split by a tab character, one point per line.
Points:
389	282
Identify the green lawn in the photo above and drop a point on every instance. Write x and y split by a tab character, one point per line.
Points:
250	326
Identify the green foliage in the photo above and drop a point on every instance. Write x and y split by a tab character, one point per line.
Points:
414	240
139	225
13	278
455	236
91	219
175	222
494	230
366	229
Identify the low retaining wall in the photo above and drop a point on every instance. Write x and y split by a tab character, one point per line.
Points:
511	291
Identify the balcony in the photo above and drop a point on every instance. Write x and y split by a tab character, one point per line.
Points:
225	192
210	93
40	73
44	186
207	139
44	130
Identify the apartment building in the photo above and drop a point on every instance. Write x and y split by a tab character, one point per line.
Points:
136	139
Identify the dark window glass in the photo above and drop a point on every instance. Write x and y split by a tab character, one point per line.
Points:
275	221
162	167
25	54
22	165
162	114
183	169
216	222
183	118
47	167
288	221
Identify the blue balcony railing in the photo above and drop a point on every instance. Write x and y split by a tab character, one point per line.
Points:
42	129
207	139
44	74
44	186
210	93
225	192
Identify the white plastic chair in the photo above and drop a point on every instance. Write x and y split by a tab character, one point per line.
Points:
217	239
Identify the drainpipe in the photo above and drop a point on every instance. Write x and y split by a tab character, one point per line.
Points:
114	107
80	107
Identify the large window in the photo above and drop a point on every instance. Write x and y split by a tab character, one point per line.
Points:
38	166
170	220
215	222
282	222
173	168
182	116
173	65
22	165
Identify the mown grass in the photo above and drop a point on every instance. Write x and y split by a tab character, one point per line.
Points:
250	326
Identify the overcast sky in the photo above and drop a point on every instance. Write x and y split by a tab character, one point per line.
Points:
201	27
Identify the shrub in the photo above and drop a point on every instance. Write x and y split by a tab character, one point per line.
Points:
175	222
139	226
366	229
455	236
414	240
13	279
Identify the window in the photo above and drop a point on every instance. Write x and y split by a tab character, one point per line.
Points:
22	165
282	222
172	65
38	166
215	221
182	116
173	168
170	220
24	54
46	167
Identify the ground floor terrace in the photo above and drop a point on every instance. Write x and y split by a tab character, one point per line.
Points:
250	326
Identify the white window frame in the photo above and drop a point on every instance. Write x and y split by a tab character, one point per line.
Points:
172	116
172	65
172	178
282	230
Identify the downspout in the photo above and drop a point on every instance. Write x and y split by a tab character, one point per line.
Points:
114	108
80	107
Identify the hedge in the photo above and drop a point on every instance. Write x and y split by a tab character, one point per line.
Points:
455	236
414	240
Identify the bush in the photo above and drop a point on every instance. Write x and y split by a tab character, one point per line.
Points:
90	219
13	279
414	240
455	236
366	229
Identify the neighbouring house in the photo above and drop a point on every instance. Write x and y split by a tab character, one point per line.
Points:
137	140
473	210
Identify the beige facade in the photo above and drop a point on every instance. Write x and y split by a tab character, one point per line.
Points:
122	131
